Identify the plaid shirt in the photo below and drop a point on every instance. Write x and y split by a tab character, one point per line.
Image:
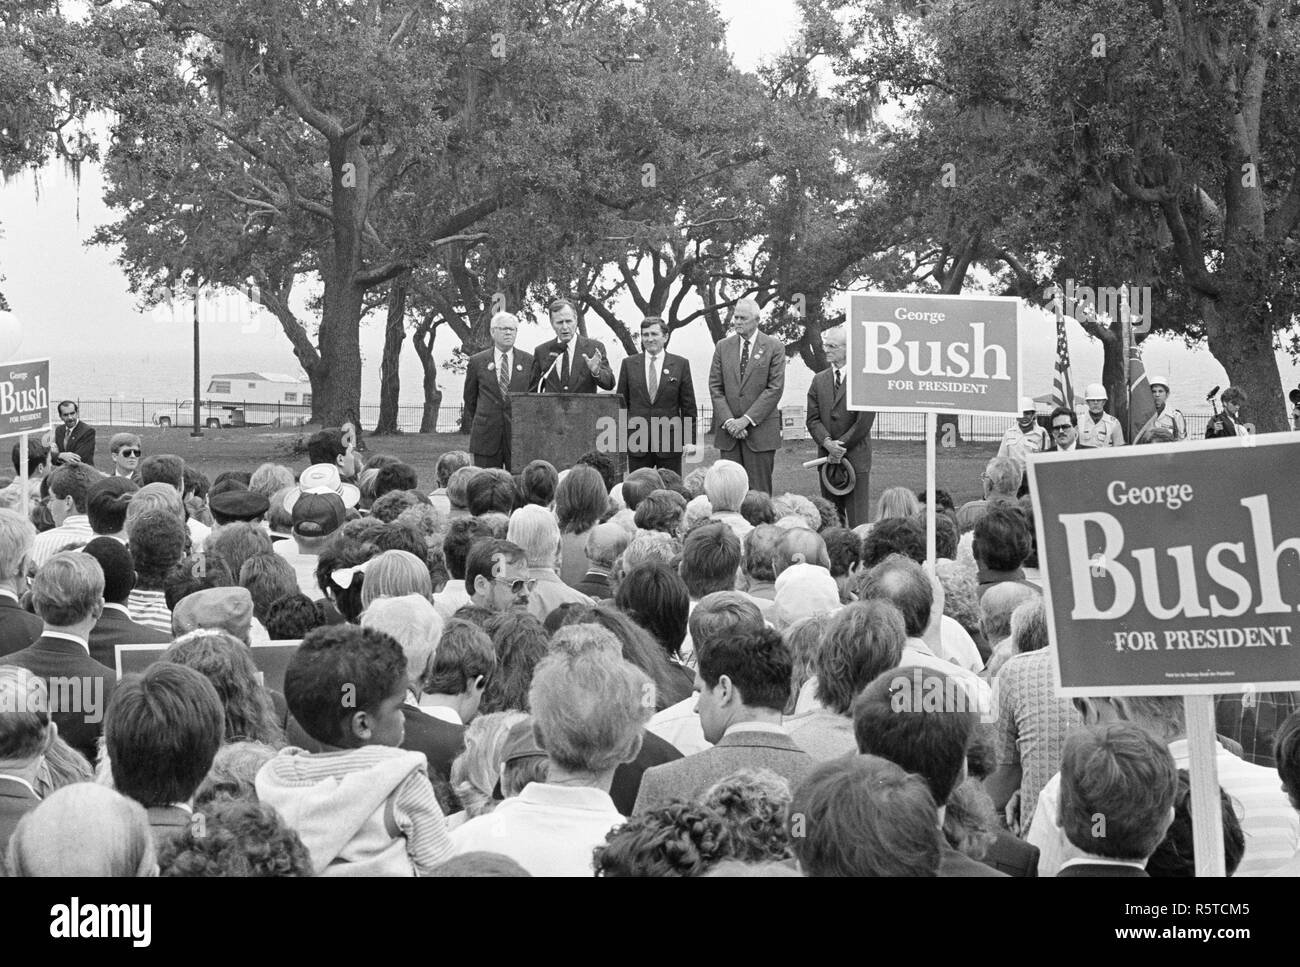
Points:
1253	718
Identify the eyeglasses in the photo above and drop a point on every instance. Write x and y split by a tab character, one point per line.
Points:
129	453
1062	429
519	586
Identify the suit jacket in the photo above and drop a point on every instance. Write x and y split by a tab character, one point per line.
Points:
830	418
59	658
1101	869
1054	449
955	864
627	777
674	401
594	585
487	414
581	379
81	442
19	629
116	628
690	777
440	741
1012	855
16	801
756	395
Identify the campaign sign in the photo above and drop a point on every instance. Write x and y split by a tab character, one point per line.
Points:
953	354
1172	569
271	659
24	397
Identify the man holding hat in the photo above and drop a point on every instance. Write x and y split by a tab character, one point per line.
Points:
843	437
1098	428
1167	423
318	507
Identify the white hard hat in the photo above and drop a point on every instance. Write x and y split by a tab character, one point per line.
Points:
1095	391
1159	381
1027	404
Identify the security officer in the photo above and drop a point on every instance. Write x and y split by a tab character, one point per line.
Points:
1097	428
1167	423
1024	437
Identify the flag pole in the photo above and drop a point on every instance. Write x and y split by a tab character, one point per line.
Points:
1126	339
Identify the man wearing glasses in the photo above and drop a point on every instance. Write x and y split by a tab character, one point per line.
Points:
1065	431
490	377
496	576
125	451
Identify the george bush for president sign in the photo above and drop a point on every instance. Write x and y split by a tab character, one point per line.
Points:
953	354
1172	569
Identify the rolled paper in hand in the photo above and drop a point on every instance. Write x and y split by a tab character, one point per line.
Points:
810	464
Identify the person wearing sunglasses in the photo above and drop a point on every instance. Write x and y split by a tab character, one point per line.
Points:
1064	428
496	575
125	451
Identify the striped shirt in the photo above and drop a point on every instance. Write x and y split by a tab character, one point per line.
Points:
74	532
149	608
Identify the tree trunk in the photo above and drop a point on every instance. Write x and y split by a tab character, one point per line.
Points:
422	340
1241	339
338	390
389	377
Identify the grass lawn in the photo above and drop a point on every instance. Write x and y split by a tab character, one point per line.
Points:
894	462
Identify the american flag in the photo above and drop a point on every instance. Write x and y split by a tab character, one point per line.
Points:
1062	387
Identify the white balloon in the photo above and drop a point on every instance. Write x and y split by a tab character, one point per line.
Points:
11	335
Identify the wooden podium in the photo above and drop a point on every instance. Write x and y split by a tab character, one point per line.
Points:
560	427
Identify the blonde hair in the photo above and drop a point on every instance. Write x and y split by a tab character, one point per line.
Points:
83	830
897	502
394	574
475	772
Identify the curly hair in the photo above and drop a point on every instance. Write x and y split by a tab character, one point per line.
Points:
235	838
226	662
755	803
521	642
680	839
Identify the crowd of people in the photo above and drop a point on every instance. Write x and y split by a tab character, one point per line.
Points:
570	672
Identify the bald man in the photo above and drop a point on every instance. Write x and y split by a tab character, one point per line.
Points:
746	380
490	376
841	434
605	542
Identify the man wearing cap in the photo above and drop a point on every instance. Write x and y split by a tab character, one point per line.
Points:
844	438
1166	422
228	609
1098	428
318	507
490	377
124	448
238	506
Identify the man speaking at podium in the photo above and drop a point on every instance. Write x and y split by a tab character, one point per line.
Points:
569	363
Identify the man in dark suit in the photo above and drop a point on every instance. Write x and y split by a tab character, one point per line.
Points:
1118	786
489	379
1063	425
743	681
840	434
18	628
68	593
115	626
74	441
659	399
746	380
571	362
25	735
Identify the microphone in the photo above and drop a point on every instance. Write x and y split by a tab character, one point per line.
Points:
541	383
1211	394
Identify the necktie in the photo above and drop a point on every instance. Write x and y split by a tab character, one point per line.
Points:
564	369
839	380
503	375
744	357
654	377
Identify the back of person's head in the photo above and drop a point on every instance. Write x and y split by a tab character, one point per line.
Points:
756	662
449	463
1001	539
234	772
413	622
721	614
538	482
864	816
84	829
491	491
521	642
397	476
326	446
945	535
894	535
394	574
997	606
1176	854
461	533
1003	475
580	499
290	618
655	597
755	804
115	562
68	589
74	482
162	729
25	731
800	545
1029	626
844	549
650	546
458	486
574	639
919	718
896	502
157	544
37	454
107	503
797	505
1125	775
17	534
589	710
394	503
226	662
267	577
535	530
463	658
603	464
757	508
234	838
154	498
660	510
679	839
710	558
863	640
341	572
760	551
163	468
233	544
360	664
902	582
726	484
605	542
639	485
1286	753
270	478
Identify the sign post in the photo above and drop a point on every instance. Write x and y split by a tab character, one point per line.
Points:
24	409
933	354
1174	570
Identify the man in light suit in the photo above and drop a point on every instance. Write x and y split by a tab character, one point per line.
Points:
743	681
839	433
656	390
571	362
489	377
74	441
746	380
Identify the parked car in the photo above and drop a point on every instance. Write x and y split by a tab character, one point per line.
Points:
211	415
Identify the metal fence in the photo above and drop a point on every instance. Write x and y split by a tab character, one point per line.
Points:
889	424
